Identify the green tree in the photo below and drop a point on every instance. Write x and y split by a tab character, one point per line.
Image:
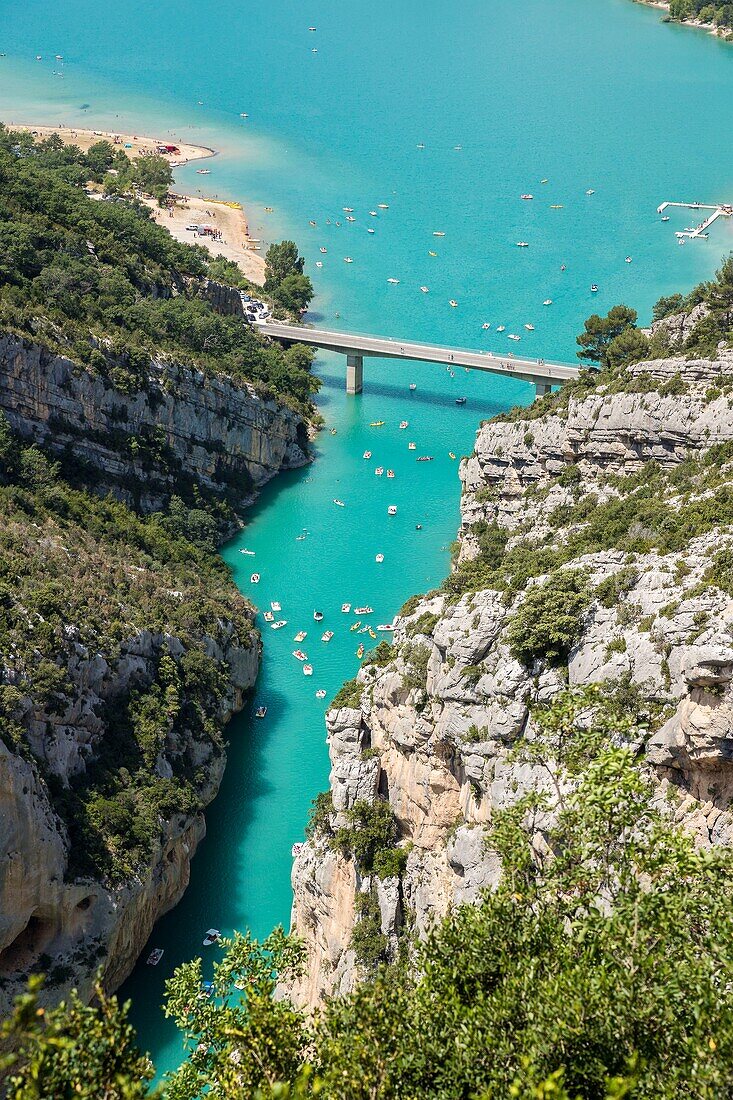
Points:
282	260
549	618
294	293
600	331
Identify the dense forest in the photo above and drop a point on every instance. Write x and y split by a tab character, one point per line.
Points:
716	14
100	280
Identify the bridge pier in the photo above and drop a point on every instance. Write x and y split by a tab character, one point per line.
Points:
541	387
354	374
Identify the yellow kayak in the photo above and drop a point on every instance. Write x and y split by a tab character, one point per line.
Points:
377	424
451	455
360	651
372	633
356	625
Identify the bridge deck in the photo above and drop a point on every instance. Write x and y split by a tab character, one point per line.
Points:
529	370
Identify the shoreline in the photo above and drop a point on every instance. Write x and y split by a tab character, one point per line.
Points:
229	219
725	34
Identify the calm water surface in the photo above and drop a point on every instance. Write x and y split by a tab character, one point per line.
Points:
503	96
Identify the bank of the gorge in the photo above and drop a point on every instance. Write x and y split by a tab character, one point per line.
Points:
139	417
594	549
714	18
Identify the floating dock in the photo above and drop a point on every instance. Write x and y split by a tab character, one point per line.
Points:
719	210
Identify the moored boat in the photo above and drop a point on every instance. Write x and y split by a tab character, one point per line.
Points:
300	655
307	670
392	509
213	935
364	610
255	578
318	616
268	616
379	558
301	636
260	712
326	636
155	956
346	608
279	624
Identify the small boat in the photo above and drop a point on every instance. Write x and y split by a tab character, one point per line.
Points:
213	935
486	325
412	446
379	471
307	670
425	289
318	616
364	629
279	624
390	473
314	50
379	558
319	263
382	206
453	303
326	636
384	627
346	608
298	847
255	578
275	606
526	196
424	458
269	209
355	626
438	233
394	282
665	218
628	259
529	328
260	712
421	145
392	509
370	230
360	650
460	401
372	633
373	213
501	328
513	336
594	288
301	538
301	636
155	956
432	253
364	610
203	171
251	553
547	302
451	455
269	617
300	655
367	454
348	260
320	694
377	424
522	244
340	503
351	218
418	526
243	114
324	251
404	424
544	181
590	191
556	206
413	387
311	222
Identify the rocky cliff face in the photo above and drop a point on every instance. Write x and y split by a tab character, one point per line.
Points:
182	425
432	720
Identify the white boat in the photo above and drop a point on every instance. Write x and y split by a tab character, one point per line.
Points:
307	670
412	446
275	605
348	260
590	191
155	956
501	328
594	288
320	694
425	289
526	197
547	302
301	636
350	219
529	328
318	263
260	712
324	251
384	627
404	424
255	578
628	259
251	553
279	624
213	935
373	213
513	336
203	171
379	558
370	230
346	608
339	502
390	473
301	538
379	471
363	611
318	616
665	218
522	244
326	636
268	617
367	454
300	655
413	386
394	282
486	325
391	511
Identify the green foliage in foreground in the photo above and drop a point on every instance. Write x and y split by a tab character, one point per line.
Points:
106	285
602	968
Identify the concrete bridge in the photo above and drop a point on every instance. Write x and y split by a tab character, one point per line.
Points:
542	374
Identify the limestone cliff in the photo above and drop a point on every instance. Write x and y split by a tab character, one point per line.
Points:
180	426
625	484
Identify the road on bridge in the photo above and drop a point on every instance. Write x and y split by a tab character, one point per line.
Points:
350	344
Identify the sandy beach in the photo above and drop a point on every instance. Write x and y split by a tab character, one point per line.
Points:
132	144
228	218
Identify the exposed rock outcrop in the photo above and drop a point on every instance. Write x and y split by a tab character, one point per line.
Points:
182	424
441	711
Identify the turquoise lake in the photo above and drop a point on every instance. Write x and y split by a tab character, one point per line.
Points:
588	96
